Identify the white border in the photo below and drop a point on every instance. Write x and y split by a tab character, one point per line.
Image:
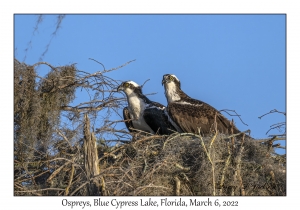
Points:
8	8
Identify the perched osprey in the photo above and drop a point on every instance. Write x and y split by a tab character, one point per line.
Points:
187	114
143	114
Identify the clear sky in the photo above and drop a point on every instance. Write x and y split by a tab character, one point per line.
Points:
233	62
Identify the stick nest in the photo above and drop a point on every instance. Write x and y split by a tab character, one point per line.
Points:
190	165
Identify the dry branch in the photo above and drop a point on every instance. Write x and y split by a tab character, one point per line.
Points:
177	186
91	158
70	180
57	171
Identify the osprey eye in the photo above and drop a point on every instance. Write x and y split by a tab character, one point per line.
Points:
171	78
126	84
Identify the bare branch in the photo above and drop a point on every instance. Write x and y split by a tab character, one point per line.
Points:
98	62
277	126
145	83
90	108
45	63
272	111
236	114
29	191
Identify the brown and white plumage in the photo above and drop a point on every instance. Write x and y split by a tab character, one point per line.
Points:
188	114
142	113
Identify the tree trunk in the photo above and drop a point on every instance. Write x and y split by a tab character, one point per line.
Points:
91	159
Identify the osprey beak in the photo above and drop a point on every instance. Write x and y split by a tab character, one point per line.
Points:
163	81
120	88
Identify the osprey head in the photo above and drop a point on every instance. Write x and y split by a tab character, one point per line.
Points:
170	78
172	87
129	87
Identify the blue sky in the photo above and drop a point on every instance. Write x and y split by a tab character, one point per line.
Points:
233	62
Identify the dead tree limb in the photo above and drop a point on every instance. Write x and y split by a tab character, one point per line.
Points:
91	158
70	180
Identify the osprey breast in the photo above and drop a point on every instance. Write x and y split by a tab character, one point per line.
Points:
171	92
137	107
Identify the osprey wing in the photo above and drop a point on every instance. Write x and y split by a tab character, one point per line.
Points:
158	121
193	114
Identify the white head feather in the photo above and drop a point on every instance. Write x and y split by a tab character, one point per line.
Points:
130	92
133	83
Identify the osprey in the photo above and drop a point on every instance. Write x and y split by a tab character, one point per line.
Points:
187	114
142	113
